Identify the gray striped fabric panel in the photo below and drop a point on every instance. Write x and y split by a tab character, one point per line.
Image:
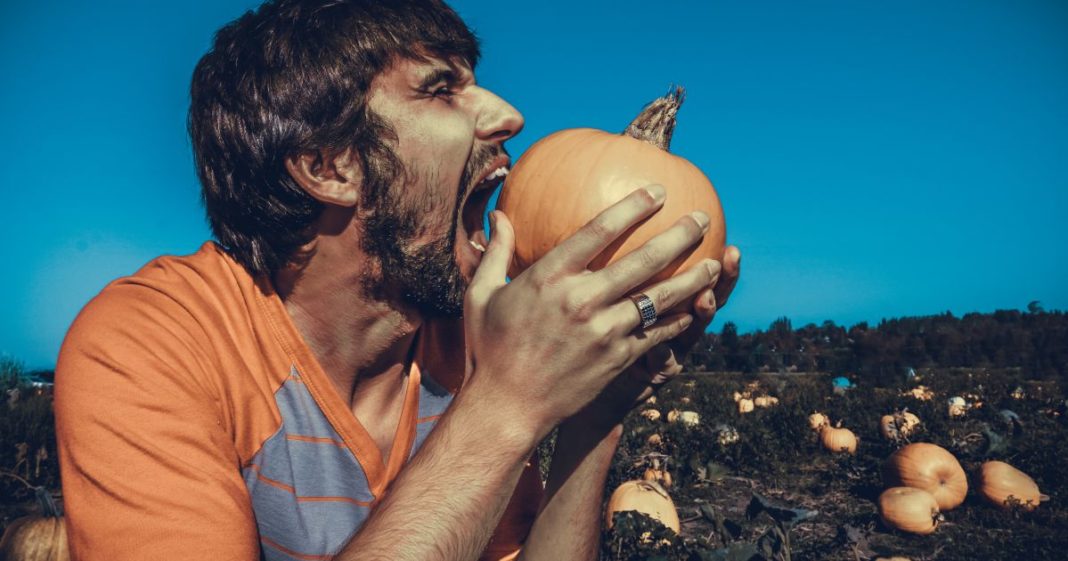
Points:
309	493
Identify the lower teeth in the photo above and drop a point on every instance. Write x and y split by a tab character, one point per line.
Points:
477	245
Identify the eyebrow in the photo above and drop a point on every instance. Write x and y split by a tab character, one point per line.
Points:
438	75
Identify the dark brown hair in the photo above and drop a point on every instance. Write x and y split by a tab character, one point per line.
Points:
294	76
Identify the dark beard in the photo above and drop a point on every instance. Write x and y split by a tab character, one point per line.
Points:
427	277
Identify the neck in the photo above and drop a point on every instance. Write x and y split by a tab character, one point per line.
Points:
362	341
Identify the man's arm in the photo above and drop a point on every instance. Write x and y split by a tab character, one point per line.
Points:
539	349
569	524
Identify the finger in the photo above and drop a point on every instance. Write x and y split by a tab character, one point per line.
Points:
704	310
493	269
576	252
653	256
665	330
666	294
732	269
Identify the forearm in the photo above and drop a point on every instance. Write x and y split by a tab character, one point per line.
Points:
569	524
447	502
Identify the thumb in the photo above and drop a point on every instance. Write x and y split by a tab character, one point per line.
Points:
493	269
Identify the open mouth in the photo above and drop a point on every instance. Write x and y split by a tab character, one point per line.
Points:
475	207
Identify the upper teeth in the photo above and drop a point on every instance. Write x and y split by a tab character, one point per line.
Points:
499	172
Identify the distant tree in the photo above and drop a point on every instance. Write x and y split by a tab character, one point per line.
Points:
1034	307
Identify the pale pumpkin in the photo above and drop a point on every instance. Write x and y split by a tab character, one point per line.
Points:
37	537
745	405
929	467
956	406
766	401
688	418
654	439
651	414
898	426
658	474
838	440
726	435
646	497
909	509
567	178
817	421
998	481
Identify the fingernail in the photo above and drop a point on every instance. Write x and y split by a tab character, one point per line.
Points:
657	192
714	267
701	218
708	299
686	321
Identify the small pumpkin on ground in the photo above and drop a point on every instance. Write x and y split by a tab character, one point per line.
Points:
37	537
1000	483
651	414
687	418
899	425
838	439
929	467
766	401
745	405
909	509
817	421
646	497
658	474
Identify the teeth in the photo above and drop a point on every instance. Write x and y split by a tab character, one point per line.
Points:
477	245
499	172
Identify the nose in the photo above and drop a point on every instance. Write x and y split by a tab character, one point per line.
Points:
498	120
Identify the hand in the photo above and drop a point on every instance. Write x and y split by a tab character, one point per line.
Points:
663	362
543	346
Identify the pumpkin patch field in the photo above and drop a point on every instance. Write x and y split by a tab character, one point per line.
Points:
866	473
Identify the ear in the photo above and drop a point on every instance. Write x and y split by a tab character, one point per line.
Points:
332	177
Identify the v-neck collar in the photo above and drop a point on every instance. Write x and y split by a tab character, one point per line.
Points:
379	472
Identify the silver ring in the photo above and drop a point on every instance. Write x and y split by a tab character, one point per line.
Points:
645	308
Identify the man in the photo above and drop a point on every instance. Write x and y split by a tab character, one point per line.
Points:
294	390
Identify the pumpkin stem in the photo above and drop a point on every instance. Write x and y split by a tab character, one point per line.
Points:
656	123
49	509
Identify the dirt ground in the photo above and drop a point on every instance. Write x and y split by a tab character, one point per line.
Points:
780	458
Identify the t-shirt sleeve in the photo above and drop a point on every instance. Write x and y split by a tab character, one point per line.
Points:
149	470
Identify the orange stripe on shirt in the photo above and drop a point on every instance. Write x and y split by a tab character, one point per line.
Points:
333	500
428	419
274	483
292	553
317	439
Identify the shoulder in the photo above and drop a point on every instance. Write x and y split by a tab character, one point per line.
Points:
170	311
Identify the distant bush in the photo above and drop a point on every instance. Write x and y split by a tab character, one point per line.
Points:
27	434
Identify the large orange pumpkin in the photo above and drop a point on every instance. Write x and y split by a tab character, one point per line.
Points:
998	481
646	497
567	178
909	509
929	467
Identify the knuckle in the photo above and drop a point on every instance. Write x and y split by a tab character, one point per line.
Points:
579	306
603	336
647	258
599	228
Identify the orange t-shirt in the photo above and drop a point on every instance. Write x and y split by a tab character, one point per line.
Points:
194	423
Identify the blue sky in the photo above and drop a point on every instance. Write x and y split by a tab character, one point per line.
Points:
874	159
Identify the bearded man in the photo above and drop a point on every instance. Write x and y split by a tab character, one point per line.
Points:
345	373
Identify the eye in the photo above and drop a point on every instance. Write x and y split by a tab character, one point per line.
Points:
444	92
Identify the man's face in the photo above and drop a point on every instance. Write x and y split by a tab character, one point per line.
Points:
449	137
